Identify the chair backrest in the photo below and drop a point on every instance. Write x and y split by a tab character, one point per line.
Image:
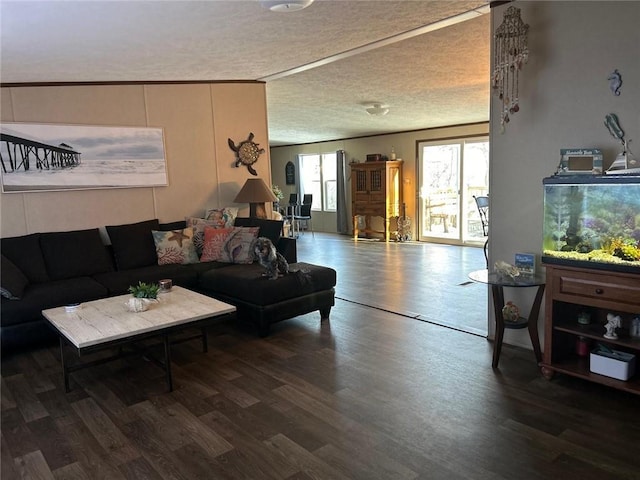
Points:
307	199
293	199
482	202
305	210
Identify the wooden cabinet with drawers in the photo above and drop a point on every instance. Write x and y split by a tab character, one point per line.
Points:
376	191
571	291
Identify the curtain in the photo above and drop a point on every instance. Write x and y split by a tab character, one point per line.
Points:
341	191
299	186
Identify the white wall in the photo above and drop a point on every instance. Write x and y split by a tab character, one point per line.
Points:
197	120
564	97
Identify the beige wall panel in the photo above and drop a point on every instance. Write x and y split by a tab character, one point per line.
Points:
238	109
6	105
81	209
114	105
184	111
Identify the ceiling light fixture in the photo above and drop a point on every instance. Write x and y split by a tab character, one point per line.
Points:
377	109
285	5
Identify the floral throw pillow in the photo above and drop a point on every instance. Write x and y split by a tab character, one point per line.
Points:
223	217
237	246
214	239
198	225
175	246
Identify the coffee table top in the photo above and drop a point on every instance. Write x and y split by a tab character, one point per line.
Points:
107	319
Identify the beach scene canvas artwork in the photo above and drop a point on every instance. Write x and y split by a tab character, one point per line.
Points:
44	157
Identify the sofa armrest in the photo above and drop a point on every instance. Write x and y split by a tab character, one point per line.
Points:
288	248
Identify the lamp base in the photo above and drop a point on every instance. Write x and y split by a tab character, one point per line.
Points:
257	210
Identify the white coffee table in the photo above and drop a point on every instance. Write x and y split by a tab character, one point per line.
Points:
106	323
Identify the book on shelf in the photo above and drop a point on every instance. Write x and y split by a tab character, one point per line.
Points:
525	263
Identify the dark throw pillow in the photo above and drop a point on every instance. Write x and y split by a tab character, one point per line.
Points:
268	228
133	245
78	253
12	279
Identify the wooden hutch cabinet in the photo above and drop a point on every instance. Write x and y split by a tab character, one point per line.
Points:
376	191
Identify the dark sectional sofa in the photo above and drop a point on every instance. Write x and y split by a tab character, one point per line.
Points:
45	270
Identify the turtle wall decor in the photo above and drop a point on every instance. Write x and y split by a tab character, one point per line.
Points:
247	153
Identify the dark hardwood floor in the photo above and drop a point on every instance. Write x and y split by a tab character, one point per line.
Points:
367	395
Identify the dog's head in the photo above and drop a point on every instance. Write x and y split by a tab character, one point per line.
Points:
263	247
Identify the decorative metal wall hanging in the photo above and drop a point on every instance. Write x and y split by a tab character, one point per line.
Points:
247	153
511	52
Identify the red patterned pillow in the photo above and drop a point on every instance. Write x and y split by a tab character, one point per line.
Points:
214	239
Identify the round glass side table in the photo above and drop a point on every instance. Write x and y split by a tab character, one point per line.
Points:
497	282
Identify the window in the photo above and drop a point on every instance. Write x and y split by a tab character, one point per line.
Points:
318	177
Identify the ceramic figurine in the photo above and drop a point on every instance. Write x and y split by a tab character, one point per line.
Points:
613	322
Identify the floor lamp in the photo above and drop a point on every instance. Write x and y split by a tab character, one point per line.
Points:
256	193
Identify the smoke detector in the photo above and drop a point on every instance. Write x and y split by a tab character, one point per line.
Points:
377	109
285	6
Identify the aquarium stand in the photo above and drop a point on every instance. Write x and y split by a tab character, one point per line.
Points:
572	291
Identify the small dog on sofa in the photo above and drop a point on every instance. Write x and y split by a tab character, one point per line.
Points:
267	256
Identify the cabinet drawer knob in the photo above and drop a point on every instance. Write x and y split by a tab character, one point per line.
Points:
599	291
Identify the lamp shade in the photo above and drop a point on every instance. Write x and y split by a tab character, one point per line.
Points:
256	193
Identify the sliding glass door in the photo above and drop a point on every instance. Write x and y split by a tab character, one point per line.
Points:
451	172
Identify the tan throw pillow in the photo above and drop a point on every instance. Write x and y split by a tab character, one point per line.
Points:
237	246
175	246
214	239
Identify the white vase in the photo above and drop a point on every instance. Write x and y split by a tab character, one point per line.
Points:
135	304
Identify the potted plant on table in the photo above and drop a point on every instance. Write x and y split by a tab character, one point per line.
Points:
143	294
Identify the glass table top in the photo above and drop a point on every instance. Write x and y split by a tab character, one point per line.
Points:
498	279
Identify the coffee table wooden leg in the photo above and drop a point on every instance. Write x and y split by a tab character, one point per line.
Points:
167	362
65	375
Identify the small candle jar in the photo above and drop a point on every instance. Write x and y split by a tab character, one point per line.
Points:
584	318
165	285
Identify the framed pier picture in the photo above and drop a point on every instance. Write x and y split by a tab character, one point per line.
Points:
46	157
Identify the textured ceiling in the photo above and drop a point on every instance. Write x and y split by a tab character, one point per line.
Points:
427	80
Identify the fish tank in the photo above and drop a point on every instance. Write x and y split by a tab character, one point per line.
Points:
592	221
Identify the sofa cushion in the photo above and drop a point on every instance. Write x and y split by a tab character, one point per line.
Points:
268	228
246	282
238	246
74	254
133	245
118	283
25	253
214	240
40	296
175	246
12	280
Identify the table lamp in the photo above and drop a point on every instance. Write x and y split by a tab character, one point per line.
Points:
256	193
